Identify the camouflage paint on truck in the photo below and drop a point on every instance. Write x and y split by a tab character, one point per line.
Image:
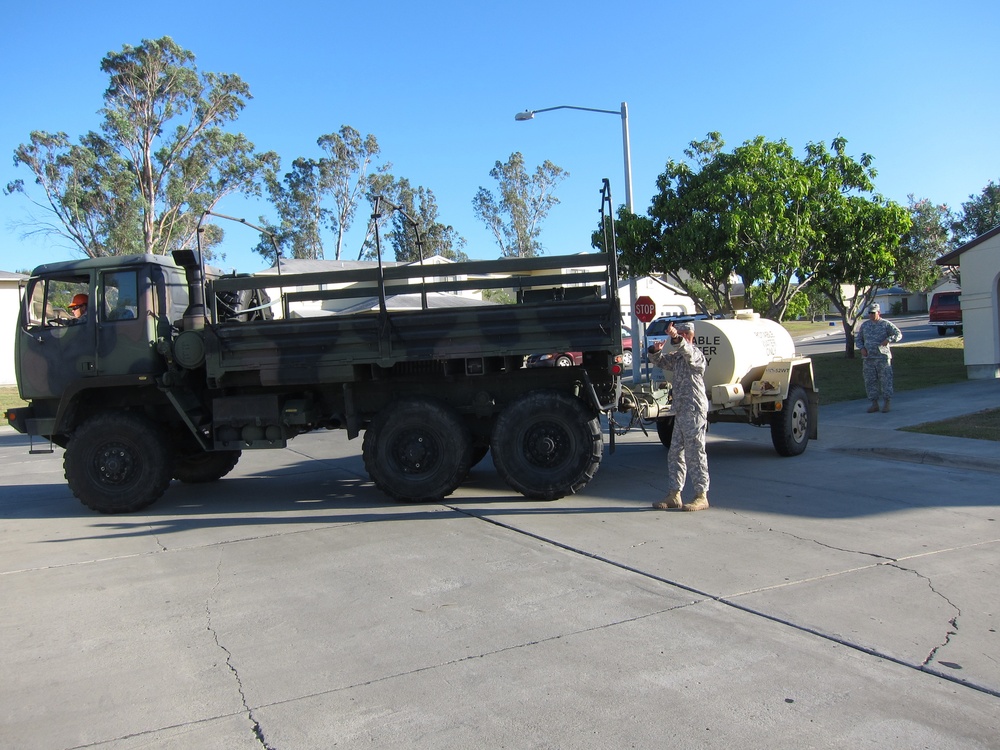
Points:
177	369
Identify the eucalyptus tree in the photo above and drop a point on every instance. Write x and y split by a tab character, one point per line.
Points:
345	176
160	160
298	200
420	206
515	213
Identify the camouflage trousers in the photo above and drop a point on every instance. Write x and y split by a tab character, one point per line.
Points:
688	445
877	372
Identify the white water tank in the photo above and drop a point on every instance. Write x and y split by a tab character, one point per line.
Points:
736	351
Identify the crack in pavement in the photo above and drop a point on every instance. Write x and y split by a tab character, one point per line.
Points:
481	655
257	729
729	601
953	622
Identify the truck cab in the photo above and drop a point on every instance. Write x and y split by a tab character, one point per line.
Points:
131	303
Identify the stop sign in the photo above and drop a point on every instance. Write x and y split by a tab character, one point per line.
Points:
645	309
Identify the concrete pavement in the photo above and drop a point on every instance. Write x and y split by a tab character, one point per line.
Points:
842	598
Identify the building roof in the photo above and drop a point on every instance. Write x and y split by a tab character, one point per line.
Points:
951	259
309	265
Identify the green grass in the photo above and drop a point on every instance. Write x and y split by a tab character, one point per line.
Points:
983	425
8	399
922	365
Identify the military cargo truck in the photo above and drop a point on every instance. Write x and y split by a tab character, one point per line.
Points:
176	370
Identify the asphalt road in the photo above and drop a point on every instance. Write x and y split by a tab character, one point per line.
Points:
913	327
843	598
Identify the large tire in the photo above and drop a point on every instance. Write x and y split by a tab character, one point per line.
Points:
117	463
417	449
207	466
547	445
665	430
790	426
942	330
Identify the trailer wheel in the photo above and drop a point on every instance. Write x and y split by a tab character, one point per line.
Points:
547	445
417	449
665	430
117	463
790	426
207	466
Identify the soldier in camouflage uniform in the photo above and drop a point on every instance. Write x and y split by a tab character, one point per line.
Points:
873	339
687	363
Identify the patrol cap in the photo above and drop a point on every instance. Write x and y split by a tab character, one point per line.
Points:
875	308
684	327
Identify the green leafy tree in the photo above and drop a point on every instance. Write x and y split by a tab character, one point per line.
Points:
858	233
926	241
160	160
861	248
720	217
516	212
815	301
980	214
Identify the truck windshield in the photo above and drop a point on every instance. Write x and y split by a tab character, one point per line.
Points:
49	300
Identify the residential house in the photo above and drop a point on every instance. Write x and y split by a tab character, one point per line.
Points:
979	261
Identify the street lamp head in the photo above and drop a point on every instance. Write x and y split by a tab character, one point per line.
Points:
526	115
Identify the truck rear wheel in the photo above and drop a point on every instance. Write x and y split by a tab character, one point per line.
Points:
547	445
417	449
117	463
790	426
208	466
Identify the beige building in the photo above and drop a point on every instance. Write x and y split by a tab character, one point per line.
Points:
979	262
10	298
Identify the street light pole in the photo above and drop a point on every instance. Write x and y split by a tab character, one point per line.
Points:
529	114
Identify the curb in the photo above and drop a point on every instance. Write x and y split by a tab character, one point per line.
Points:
930	458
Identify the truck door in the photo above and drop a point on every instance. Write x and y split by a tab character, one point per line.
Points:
126	335
54	348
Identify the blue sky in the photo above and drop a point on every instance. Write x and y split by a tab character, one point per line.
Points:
438	83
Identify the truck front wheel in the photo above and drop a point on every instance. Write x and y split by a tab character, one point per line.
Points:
790	426
117	463
547	445
417	449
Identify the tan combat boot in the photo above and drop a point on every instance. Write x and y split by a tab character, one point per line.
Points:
874	407
671	502
700	502
885	406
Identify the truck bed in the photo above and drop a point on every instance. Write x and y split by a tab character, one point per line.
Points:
573	312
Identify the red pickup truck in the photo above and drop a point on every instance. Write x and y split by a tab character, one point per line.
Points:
946	312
